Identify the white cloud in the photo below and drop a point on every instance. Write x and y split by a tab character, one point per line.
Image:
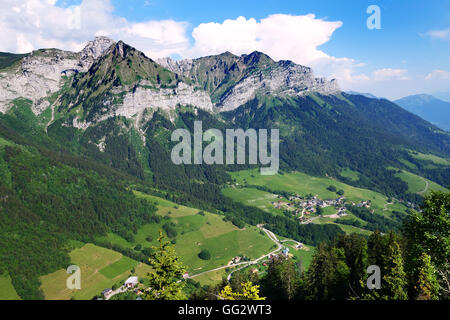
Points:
390	74
443	34
34	24
281	36
438	75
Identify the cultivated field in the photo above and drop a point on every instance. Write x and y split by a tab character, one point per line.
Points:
100	269
197	231
7	291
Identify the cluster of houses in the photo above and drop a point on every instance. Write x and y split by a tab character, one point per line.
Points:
365	204
342	212
306	206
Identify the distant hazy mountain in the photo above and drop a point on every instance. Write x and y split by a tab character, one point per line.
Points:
429	108
443	95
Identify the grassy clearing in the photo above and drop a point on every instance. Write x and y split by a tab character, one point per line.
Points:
211	278
117	268
304	255
350	174
304	184
7	291
253	197
166	206
430	157
100	268
408	164
301	184
418	184
196	232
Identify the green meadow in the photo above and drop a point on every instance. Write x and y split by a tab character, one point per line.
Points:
301	184
430	157
100	269
418	184
197	231
304	184
7	291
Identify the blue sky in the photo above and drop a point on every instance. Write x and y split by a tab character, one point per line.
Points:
397	44
409	54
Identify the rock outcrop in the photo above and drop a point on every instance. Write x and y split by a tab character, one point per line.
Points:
41	73
117	79
246	76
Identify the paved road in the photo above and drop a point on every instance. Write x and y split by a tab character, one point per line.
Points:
272	237
117	291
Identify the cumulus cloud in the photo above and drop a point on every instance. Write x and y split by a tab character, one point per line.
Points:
33	24
282	37
390	74
438	75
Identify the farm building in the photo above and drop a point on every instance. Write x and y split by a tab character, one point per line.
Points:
131	282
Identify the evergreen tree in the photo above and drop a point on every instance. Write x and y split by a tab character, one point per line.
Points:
282	279
394	281
427	286
376	248
165	281
429	232
328	275
355	249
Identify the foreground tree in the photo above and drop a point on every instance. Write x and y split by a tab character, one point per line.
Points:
282	279
328	275
394	284
429	232
166	279
427	286
248	292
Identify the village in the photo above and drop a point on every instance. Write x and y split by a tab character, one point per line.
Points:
306	207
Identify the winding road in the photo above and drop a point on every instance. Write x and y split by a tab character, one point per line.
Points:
244	264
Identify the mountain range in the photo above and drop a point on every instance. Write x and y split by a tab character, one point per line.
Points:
79	131
111	91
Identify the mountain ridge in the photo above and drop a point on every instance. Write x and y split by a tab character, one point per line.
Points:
428	107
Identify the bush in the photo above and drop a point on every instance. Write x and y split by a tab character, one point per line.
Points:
204	255
170	230
331	188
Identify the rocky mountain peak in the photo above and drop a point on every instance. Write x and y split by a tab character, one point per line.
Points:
94	50
232	80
